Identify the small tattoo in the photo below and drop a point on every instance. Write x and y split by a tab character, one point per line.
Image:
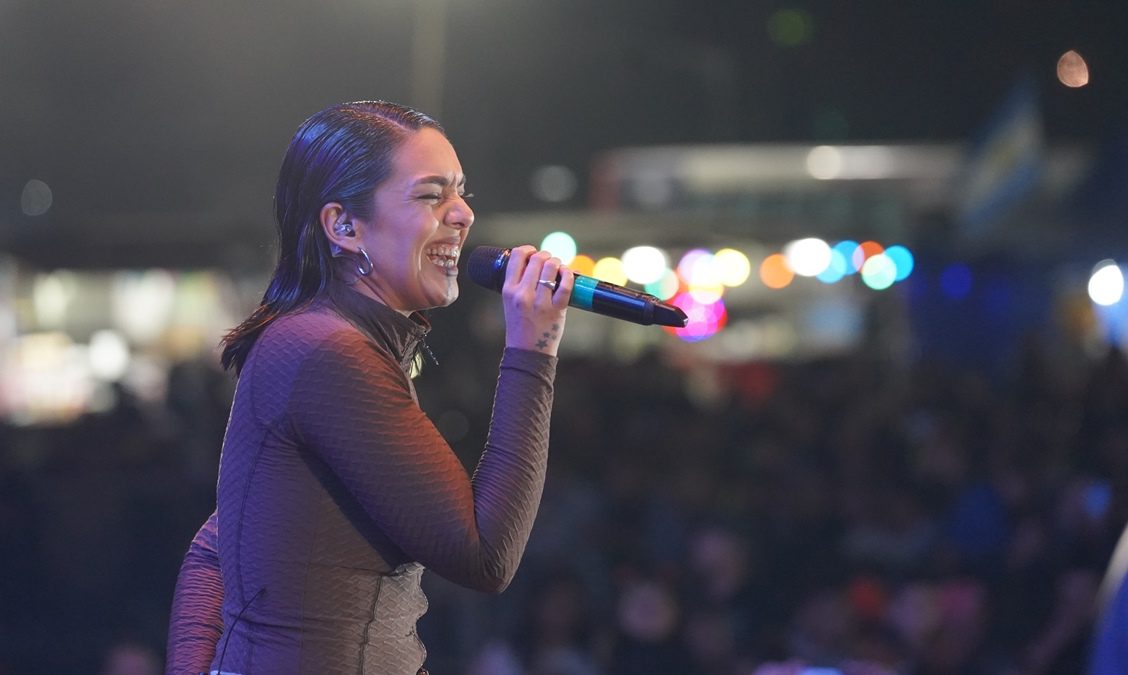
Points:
542	344
555	326
546	335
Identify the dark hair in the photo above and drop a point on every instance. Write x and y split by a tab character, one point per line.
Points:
340	154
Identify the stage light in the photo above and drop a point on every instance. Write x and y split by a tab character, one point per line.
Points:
1106	284
666	287
554	183
1072	71
865	251
903	260
807	257
956	281
705	319
36	198
561	245
879	272
108	355
583	264
644	264
846	249
836	269
610	270
774	271
733	267
690	260
824	162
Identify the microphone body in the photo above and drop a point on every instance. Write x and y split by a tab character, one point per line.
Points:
487	264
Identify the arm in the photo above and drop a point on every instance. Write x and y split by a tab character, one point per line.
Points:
196	624
351	407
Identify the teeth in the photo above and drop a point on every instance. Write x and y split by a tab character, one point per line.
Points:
444	255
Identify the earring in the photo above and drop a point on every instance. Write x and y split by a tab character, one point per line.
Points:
360	268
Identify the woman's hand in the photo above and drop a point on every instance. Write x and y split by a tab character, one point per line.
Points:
534	311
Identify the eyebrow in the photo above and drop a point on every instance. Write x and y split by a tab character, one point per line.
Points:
441	181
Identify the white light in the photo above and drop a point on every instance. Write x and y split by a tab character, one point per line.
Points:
36	198
109	355
824	162
807	257
142	303
644	264
561	245
1106	285
51	296
554	183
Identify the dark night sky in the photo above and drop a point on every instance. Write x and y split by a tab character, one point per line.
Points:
161	120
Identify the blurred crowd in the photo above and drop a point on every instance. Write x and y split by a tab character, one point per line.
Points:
755	519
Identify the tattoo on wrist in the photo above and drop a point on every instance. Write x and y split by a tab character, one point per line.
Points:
547	337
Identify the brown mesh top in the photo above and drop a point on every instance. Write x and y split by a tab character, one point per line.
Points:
335	491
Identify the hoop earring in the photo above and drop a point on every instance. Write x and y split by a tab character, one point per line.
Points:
368	261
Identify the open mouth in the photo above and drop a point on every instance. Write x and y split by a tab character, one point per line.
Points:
444	256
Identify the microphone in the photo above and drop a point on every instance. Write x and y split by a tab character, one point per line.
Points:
486	267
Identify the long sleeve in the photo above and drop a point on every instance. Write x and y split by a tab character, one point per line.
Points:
196	624
352	407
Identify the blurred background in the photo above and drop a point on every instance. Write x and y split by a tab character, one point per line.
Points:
893	434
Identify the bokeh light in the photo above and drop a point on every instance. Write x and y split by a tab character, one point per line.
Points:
610	270
1072	71
774	271
807	257
902	259
879	272
705	319
554	184
846	249
865	251
666	287
644	264
690	260
560	244
108	355
824	162
836	269
1106	284
956	281
790	27
36	198
733	267
583	264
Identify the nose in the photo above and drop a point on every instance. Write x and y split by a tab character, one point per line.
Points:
459	215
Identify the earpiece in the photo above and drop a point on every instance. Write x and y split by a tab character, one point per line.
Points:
344	229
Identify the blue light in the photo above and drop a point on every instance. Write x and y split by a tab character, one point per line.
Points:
903	259
836	269
846	249
955	281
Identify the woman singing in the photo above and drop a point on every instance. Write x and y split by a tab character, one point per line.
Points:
335	489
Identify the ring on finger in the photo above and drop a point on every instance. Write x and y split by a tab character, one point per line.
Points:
547	282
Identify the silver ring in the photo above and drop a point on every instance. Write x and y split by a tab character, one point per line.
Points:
547	282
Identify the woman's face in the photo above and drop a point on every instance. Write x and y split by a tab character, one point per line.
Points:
419	226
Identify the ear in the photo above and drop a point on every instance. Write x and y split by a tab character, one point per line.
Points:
335	223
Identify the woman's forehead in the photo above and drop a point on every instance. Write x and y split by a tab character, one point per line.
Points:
427	156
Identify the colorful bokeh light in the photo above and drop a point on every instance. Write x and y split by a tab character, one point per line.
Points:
561	245
705	319
836	270
583	264
610	270
774	271
902	259
1106	284
644	264
879	272
666	287
807	257
733	267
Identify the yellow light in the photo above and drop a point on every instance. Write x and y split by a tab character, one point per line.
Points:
732	266
582	264
610	270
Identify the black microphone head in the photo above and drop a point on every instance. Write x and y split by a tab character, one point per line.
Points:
486	266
